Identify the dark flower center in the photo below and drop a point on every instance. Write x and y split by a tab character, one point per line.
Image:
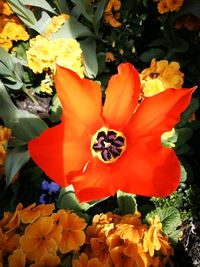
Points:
108	144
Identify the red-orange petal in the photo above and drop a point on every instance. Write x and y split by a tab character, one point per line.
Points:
81	98
60	150
145	169
159	113
122	96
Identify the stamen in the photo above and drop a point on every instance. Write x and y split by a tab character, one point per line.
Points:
108	145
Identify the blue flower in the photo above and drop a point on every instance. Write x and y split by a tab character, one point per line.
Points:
50	192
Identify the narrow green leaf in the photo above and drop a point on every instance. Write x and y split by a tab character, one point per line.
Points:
62	6
85	8
152	53
24	13
24	125
15	160
88	47
100	10
42	23
39	3
72	29
184	134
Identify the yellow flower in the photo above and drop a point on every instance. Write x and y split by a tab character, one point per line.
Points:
5	43
152	87
41	238
44	54
46	85
5	9
68	54
160	76
55	24
17	259
111	13
11	29
5	134
154	240
73	235
47	260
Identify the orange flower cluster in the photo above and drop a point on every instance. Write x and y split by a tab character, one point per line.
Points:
112	14
189	21
11	28
114	240
165	6
36	236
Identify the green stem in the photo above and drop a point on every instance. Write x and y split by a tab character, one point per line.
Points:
26	91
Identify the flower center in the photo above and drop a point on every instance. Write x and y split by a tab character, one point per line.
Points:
108	144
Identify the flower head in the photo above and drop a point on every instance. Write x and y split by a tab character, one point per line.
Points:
41	238
101	149
50	192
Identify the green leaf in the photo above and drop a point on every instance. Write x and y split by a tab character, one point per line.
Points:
193	107
68	200
56	110
42	23
24	125
85	8
183	174
184	134
72	29
25	14
88	47
15	160
39	3
126	202
62	6
156	53
100	10
169	217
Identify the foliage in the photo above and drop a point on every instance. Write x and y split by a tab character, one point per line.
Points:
164	47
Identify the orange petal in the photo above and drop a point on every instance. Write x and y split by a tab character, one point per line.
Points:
60	150
159	113
99	180
122	96
144	169
81	98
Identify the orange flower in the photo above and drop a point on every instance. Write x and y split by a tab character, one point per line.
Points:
84	261
47	260
18	259
103	149
41	238
73	235
111	13
31	213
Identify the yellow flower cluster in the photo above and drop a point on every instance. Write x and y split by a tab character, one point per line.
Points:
5	134
165	6
36	236
114	240
11	28
160	76
112	14
44	54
